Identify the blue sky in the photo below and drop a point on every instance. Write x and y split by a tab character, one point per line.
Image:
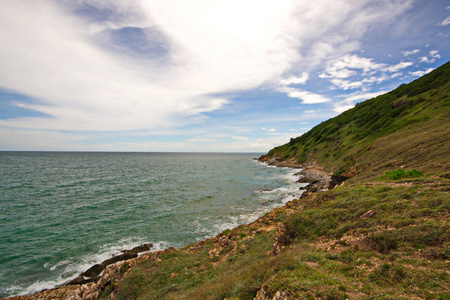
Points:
222	76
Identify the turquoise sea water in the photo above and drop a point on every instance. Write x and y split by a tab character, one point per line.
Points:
61	212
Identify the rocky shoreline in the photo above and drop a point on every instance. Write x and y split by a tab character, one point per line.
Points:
312	173
93	273
92	283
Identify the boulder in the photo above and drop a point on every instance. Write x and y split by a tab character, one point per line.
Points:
368	214
82	280
93	271
78	280
139	249
117	258
336	180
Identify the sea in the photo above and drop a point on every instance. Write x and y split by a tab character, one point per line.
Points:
62	212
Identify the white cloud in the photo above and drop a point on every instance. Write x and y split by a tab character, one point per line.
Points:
349	65
345	84
240	138
426	59
408	53
341	68
340	108
445	22
345	67
295	80
435	54
398	66
55	56
421	73
351	99
200	140
11	139
85	87
306	97
362	96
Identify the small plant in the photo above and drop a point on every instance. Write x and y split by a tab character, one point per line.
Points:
124	267
401	173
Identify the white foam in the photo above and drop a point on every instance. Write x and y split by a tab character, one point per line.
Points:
57	265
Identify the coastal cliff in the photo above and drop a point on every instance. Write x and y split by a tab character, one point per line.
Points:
373	224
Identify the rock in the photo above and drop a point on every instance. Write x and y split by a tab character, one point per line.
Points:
93	271
303	179
139	249
96	269
312	189
336	180
82	280
78	280
279	241
117	258
262	293
282	295
368	214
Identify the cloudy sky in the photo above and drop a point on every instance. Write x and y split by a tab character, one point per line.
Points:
202	75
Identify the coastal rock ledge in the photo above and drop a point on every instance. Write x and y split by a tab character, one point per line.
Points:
311	172
90	284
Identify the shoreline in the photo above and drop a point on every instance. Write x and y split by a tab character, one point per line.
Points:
92	283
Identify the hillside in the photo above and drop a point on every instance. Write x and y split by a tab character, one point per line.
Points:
383	233
408	127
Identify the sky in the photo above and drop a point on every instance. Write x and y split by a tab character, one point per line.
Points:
202	75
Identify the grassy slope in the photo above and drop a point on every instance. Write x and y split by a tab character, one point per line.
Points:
407	126
329	251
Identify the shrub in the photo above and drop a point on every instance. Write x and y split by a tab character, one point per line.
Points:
385	242
388	273
296	226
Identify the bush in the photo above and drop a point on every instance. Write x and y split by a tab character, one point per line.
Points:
388	273
297	226
384	242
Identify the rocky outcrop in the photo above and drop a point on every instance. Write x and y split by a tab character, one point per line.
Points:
279	241
264	294
279	162
312	173
92	283
93	271
93	288
139	249
318	179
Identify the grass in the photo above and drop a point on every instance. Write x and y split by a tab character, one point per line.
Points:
401	173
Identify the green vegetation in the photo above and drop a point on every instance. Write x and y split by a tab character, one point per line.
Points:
400	173
330	252
407	126
374	237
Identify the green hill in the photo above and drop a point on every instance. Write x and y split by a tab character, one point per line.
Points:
408	127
